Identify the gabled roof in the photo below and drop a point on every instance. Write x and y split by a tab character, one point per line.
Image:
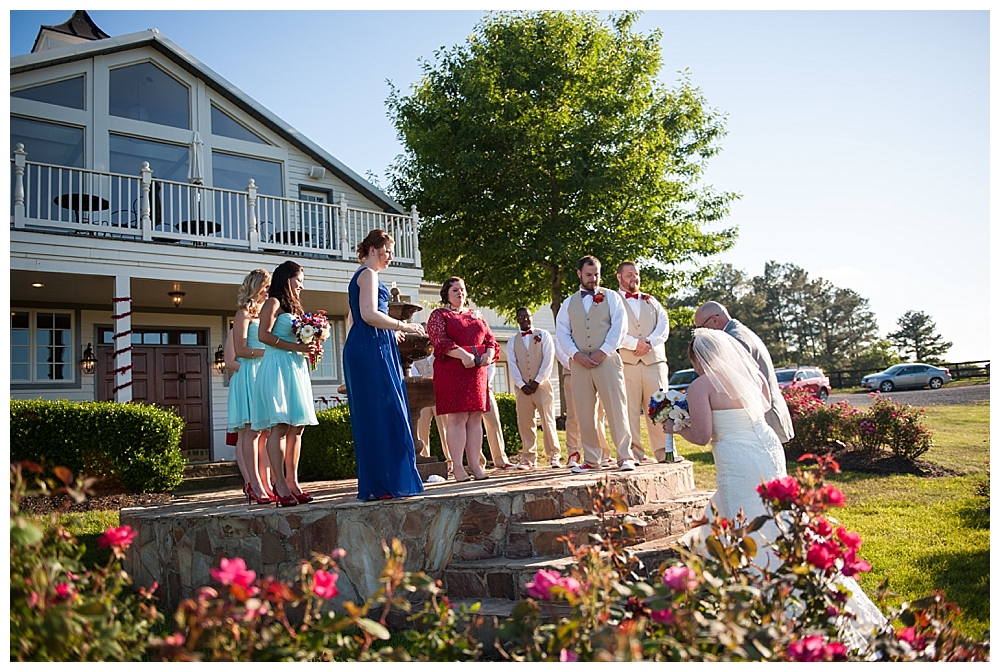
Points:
79	25
152	38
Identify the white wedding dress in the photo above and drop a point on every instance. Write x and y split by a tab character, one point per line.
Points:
748	452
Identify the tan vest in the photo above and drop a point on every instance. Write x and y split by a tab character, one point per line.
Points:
639	328
529	360
589	329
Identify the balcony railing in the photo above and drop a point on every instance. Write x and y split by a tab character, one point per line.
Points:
49	197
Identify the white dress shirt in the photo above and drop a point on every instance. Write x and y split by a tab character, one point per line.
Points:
615	334
548	351
660	332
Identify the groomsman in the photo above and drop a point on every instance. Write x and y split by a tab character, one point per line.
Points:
574	446
425	368
530	356
645	360
590	326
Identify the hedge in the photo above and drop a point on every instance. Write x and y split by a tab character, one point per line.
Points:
328	448
135	444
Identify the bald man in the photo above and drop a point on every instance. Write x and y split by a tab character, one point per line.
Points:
713	315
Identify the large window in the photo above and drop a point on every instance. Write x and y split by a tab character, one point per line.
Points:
41	346
224	125
169	162
230	171
46	142
145	93
66	93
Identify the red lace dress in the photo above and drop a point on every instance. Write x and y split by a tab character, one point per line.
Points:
456	388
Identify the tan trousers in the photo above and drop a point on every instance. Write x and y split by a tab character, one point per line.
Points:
606	383
573	442
424	430
494	433
543	401
641	381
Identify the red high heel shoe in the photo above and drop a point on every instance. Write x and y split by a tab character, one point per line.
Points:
257	499
304	498
285	501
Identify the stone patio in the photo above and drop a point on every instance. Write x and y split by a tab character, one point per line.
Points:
484	539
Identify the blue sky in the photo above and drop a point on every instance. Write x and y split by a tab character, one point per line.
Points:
859	140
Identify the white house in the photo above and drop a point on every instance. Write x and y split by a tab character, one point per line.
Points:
144	187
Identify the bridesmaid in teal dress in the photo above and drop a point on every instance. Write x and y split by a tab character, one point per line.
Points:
251	457
282	399
380	416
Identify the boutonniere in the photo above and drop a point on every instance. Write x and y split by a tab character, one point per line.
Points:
646	297
598	297
477	314
537	339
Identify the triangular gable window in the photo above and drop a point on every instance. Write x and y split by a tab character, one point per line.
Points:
224	125
66	93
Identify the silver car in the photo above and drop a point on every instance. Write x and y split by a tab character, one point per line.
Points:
907	375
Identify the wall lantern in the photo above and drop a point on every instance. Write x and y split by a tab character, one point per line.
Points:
176	296
88	362
220	360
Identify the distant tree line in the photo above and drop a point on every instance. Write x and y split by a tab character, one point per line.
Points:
804	321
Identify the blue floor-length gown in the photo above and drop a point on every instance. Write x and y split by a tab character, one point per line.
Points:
380	416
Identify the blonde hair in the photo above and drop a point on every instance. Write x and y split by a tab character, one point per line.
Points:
246	297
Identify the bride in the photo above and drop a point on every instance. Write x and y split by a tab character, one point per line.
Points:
727	403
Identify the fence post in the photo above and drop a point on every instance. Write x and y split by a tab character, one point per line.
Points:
20	157
252	233
146	181
414	222
345	250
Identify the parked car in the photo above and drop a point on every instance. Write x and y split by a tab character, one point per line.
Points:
907	375
680	380
808	378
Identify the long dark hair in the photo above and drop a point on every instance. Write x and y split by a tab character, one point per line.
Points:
279	287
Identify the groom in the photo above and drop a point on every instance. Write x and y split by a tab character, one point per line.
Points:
712	315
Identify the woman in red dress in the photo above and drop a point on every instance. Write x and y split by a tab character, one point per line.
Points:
463	347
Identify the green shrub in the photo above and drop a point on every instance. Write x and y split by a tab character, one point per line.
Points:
328	448
507	406
137	444
817	425
890	425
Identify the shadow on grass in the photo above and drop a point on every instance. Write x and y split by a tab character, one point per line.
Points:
975	517
964	578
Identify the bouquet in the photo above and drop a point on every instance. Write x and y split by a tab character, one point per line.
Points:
670	405
312	328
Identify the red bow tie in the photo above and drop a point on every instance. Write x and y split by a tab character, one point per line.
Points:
526	333
630	295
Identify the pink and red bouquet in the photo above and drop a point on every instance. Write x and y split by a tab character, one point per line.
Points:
312	328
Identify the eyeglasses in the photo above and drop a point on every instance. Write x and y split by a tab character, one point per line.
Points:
704	325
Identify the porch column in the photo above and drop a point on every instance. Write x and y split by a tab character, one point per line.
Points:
253	230
123	339
414	225
146	208
20	157
345	246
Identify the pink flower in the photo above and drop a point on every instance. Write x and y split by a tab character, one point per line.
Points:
680	578
808	649
822	527
65	591
832	496
325	584
174	640
835	651
854	565
33	599
782	489
852	540
541	587
570	584
822	555
233	572
118	538
664	616
567	656
906	635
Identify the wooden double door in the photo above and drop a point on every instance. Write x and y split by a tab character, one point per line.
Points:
170	377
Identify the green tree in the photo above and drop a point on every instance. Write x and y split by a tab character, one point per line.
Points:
917	335
545	137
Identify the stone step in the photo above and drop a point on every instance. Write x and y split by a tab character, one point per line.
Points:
655	520
505	578
210	477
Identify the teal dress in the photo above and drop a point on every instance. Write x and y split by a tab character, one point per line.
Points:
241	384
282	390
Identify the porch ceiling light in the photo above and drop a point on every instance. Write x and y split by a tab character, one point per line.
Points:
176	296
88	362
220	360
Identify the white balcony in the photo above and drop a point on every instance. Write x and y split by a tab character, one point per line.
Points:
60	199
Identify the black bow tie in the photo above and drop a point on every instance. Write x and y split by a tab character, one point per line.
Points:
585	292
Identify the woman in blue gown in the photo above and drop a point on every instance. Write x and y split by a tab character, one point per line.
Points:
380	417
